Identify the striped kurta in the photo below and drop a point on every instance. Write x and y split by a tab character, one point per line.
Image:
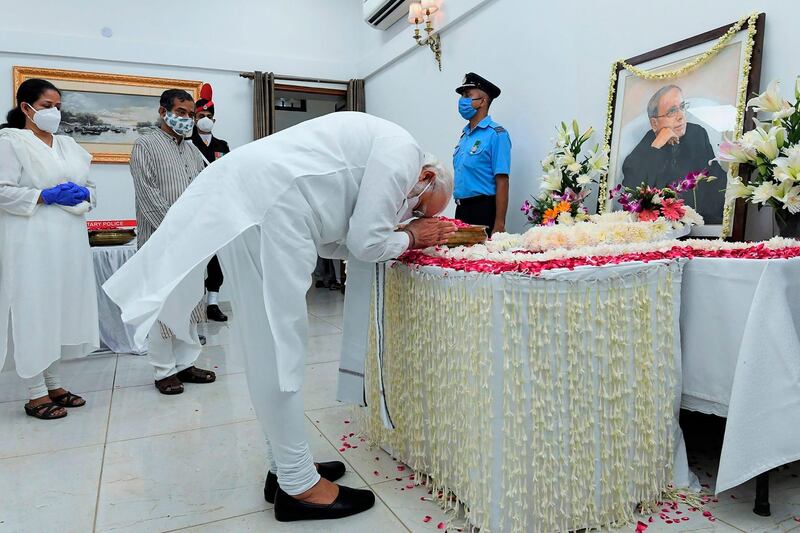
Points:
162	168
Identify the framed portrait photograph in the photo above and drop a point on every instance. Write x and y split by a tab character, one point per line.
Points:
106	113
671	108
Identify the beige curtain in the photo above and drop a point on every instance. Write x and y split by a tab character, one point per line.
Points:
263	104
355	96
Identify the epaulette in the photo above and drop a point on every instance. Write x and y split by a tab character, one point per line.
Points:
498	129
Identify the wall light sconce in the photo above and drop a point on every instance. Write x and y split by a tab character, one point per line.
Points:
418	13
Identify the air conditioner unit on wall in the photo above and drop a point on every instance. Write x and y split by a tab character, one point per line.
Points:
381	14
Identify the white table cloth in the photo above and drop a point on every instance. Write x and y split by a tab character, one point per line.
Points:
524	396
114	334
740	322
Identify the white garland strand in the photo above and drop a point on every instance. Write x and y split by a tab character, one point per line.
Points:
581	361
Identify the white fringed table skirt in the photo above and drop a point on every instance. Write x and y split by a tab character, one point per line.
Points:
541	404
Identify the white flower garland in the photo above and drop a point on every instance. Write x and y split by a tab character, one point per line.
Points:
556	338
506	255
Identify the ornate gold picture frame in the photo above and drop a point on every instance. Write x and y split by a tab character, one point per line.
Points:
106	113
710	76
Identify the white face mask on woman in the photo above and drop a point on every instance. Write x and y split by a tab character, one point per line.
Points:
46	119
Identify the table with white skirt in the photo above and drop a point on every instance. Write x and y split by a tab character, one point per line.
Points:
115	335
539	404
740	357
740	330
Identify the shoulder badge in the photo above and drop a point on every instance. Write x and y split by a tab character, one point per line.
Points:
499	129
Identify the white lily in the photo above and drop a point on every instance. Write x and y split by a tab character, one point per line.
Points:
764	192
736	189
598	159
584	179
788	168
771	101
551	181
769	142
791	200
735	152
657	199
574	168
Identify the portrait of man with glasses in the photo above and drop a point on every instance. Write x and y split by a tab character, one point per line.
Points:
672	148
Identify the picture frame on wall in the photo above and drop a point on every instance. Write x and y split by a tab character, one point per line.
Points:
669	110
106	113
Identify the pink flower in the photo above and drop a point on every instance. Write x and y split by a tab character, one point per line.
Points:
672	209
648	215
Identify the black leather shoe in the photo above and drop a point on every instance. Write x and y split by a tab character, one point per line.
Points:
347	503
215	313
331	471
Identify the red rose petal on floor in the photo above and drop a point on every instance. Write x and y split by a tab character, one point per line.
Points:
342	449
346	421
400	468
352	434
650	519
733	496
797	518
707	514
398	479
426	519
685	518
440	525
410	486
377	473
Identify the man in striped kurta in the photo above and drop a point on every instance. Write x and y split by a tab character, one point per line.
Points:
163	163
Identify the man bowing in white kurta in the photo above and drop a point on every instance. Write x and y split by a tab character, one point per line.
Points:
336	186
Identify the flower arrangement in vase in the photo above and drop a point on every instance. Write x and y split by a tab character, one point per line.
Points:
773	150
567	176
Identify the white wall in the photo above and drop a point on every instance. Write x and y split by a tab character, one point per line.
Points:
154	38
552	60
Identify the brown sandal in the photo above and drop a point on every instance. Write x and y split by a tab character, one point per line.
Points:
169	385
44	411
68	400
196	375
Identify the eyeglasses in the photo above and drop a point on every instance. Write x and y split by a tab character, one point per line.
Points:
673	111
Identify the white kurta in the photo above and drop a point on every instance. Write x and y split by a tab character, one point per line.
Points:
334	186
48	299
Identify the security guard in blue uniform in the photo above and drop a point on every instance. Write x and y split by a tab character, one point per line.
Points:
482	159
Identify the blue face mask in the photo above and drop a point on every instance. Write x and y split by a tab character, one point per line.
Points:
465	108
180	125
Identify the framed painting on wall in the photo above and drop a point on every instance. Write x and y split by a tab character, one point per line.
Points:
106	113
671	108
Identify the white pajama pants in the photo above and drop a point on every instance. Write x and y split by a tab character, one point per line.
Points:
285	247
50	379
170	356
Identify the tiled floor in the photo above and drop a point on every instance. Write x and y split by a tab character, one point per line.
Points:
137	461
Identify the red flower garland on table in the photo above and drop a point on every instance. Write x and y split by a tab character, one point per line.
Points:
458	223
757	251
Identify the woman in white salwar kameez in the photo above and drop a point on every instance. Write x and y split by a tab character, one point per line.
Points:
48	297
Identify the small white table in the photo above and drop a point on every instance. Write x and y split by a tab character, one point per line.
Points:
114	334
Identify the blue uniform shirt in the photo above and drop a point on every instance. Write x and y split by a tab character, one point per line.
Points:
480	155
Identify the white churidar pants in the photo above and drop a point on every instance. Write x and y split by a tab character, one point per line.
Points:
170	356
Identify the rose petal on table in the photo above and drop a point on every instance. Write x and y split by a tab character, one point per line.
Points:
426	519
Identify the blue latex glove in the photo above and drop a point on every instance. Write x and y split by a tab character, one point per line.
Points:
63	194
84	192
